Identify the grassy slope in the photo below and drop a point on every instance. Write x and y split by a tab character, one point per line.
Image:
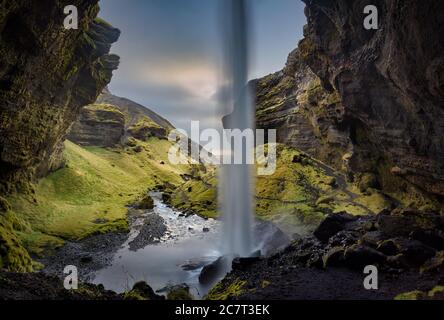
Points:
297	195
89	195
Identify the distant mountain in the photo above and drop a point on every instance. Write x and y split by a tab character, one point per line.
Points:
134	110
111	120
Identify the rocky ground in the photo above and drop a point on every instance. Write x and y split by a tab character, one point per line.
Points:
405	245
89	255
40	286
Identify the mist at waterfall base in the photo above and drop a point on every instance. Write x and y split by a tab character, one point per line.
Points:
236	180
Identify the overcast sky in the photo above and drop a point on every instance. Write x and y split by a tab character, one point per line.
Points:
171	51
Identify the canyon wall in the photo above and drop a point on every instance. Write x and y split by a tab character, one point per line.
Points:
47	73
368	102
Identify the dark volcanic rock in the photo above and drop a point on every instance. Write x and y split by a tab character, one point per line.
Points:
39	286
390	84
211	271
331	225
142	289
242	263
401	222
151	231
47	74
359	256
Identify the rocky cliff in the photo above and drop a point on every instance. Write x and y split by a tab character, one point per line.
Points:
101	125
112	120
47	73
134	111
370	102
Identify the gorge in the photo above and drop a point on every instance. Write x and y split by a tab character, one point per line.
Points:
359	178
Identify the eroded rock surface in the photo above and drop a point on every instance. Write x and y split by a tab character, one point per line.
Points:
367	102
47	74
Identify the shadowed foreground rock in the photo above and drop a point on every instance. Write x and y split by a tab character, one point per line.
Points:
38	286
330	265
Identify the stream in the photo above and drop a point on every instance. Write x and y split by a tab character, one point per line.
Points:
175	258
164	248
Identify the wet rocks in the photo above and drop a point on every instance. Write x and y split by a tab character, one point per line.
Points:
214	270
151	231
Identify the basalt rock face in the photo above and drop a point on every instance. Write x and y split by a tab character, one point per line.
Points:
47	73
304	114
100	125
134	111
390	82
113	120
406	246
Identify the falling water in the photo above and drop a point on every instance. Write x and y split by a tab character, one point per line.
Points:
236	180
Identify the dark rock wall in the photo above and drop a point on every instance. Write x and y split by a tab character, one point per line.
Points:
369	102
391	83
47	74
305	115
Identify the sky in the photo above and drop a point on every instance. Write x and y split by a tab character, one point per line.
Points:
171	52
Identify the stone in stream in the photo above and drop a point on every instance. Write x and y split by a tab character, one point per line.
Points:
153	229
214	270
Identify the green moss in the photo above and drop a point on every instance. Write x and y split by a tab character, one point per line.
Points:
179	294
95	185
234	289
133	295
412	295
13	255
265	283
198	194
438	290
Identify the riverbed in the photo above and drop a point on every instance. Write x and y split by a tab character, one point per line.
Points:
177	257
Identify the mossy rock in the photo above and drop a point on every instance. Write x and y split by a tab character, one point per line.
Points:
226	291
146	203
411	295
181	292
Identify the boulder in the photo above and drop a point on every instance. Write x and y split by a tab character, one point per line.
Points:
242	263
334	257
146	203
388	247
359	256
331	225
214	270
143	290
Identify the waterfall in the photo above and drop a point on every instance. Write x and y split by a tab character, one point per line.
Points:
235	180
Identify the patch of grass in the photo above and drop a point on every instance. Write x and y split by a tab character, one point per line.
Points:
218	292
412	295
13	256
198	194
297	196
95	185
